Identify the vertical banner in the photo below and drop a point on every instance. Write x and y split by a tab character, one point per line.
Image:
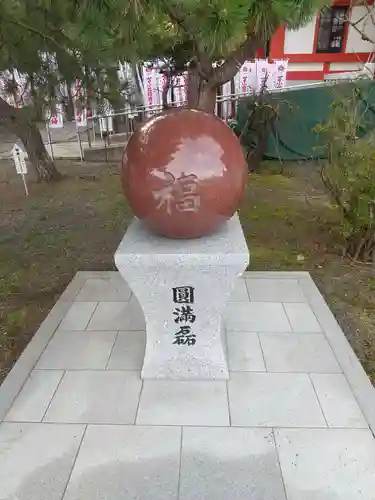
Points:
154	83
237	83
80	116
106	123
180	89
161	80
186	85
271	79
156	96
263	70
150	85
253	75
147	86
244	76
121	73
247	78
251	78
227	100
79	104
279	75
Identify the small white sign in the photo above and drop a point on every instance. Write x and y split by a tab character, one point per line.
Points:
20	163
19	160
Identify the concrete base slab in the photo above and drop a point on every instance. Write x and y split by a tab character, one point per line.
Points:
295	421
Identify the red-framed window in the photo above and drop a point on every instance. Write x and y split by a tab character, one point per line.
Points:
331	29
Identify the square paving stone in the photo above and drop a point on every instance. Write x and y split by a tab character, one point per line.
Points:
126	463
244	352
128	351
229	463
96	397
36	460
275	290
32	402
273	400
256	317
78	316
337	401
105	290
118	316
171	402
327	464
78	350
291	352
239	293
302	318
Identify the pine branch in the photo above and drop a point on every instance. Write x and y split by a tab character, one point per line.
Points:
235	60
36	32
204	65
176	17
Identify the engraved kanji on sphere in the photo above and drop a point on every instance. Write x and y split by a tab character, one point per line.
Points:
184	173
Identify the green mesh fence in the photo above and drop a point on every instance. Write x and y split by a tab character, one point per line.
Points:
300	110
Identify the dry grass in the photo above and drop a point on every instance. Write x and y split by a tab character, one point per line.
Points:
45	239
76	225
290	224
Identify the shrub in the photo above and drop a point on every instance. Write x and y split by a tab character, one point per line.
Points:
349	173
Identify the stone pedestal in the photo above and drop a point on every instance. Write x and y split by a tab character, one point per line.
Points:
183	287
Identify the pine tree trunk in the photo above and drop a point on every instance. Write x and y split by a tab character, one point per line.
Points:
201	94
69	104
36	151
207	98
166	90
21	125
202	91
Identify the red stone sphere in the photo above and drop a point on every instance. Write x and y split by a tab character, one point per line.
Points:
184	173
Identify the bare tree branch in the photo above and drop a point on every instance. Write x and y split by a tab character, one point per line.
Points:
353	4
364	18
370	12
364	37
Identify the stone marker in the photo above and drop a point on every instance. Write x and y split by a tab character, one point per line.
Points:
183	287
183	173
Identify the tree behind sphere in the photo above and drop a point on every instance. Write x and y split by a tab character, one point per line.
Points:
211	38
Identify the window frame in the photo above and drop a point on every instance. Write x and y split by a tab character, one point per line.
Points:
343	31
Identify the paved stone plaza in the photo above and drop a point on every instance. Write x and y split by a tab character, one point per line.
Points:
294	422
